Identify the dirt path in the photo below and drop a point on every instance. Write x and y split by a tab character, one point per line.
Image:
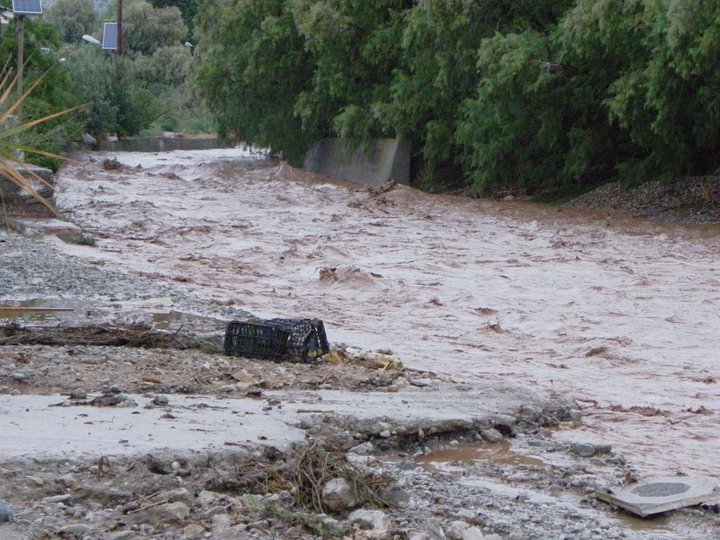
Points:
622	314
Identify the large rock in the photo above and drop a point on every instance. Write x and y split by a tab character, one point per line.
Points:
338	496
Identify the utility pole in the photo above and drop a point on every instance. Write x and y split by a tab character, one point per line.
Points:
121	41
20	61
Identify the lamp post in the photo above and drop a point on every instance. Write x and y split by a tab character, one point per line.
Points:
120	40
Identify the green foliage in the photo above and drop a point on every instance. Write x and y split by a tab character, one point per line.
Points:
117	100
530	95
188	8
54	93
254	66
73	18
147	28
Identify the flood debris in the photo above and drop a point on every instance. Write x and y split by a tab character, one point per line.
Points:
662	494
140	336
276	339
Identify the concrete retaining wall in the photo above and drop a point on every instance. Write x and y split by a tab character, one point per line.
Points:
385	159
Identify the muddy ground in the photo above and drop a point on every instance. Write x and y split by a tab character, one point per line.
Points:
403	318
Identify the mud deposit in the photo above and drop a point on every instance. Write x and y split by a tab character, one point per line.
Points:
580	327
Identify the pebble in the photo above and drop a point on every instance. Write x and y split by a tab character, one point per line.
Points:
369	519
19	376
338	495
78	394
122	535
57	499
76	529
362	448
535	442
491	435
385	434
584	449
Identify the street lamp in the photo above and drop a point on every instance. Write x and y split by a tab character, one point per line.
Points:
91	40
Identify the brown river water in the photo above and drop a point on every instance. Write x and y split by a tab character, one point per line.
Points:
622	314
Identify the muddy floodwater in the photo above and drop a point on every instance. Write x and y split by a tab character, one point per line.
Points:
622	314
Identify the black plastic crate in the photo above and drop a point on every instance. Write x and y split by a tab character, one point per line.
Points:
307	337
254	340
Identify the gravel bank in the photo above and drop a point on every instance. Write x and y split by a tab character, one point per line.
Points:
692	200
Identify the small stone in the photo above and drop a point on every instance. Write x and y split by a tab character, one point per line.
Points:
396	495
56	499
194	530
362	448
584	449
385	434
222	522
6	515
434	529
36	480
122	535
242	376
535	442
75	529
369	519
422	382
174	495
338	496
67	480
19	376
491	435
78	394
160	401
456	529
472	533
157	516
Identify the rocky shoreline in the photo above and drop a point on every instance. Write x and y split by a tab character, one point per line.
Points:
694	200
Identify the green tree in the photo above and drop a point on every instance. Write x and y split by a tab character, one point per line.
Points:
52	94
253	67
147	28
118	99
188	8
74	18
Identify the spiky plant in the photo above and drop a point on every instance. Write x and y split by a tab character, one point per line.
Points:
12	165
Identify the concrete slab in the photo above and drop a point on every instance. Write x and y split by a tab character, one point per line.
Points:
32	426
38	227
662	494
385	159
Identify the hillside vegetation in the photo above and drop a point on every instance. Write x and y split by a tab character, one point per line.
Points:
530	96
